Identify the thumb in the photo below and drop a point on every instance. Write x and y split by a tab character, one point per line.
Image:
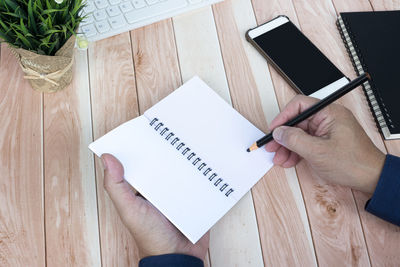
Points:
295	139
118	189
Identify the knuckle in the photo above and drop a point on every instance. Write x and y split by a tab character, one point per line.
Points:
298	99
302	101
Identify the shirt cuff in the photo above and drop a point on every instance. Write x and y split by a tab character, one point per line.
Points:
385	202
171	260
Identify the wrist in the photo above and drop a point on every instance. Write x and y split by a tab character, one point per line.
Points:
372	172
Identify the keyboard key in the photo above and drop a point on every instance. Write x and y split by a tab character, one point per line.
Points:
89	19
89	8
154	10
114	2
113	11
100	14
89	30
101	4
152	2
126	7
117	22
102	26
138	3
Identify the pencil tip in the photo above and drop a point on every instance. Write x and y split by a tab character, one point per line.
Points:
253	147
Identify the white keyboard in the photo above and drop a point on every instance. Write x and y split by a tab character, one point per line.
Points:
110	17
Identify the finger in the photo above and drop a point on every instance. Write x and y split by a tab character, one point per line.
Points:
281	156
293	108
272	146
291	161
305	125
296	140
118	189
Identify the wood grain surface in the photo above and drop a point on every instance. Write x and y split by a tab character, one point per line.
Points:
22	233
55	211
70	195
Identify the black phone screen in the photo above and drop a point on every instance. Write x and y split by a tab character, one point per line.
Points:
298	58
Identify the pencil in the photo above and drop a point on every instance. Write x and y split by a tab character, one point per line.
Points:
315	108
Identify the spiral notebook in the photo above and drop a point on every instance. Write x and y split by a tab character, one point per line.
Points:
372	40
187	156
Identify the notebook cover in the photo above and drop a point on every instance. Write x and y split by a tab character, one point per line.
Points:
376	36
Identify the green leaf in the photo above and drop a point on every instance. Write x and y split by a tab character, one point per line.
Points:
11	4
54	47
15	8
31	20
72	19
75	10
64	30
48	11
24	40
5	27
52	31
23	28
15	15
46	40
39	4
48	5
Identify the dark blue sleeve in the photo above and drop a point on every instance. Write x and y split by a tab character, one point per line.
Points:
385	202
171	260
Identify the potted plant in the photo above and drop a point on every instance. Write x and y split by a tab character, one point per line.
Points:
41	33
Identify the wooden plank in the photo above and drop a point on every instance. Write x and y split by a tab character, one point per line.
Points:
156	66
72	234
22	241
200	54
380	5
381	237
351	6
328	248
289	246
114	101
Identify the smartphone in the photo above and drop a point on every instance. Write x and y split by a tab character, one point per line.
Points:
298	60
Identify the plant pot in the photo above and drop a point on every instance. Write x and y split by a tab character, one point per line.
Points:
48	73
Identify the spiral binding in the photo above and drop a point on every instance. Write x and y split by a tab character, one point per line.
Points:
191	156
357	61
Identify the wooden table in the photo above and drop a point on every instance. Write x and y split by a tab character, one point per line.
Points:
54	210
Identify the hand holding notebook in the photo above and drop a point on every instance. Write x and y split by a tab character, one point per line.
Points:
187	156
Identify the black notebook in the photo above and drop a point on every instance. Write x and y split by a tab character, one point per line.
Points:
372	40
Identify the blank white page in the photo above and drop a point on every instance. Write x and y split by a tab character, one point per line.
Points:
216	132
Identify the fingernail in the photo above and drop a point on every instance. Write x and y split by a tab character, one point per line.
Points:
277	134
104	163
